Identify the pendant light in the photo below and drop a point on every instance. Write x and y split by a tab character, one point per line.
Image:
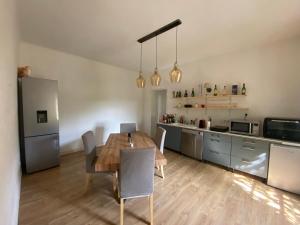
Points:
140	81
155	78
175	73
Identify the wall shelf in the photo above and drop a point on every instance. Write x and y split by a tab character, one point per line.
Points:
210	97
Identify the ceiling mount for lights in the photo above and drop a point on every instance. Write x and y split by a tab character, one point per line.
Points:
175	73
140	81
156	78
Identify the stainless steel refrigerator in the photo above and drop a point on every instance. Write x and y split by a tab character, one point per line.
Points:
38	123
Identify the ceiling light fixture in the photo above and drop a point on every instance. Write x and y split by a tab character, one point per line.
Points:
140	81
155	78
175	73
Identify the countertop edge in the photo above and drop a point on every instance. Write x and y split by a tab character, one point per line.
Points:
272	141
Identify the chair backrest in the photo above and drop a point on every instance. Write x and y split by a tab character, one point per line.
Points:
160	138
89	144
127	127
136	175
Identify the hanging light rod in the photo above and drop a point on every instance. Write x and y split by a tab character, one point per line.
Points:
160	31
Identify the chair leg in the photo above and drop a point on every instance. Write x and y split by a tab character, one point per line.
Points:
162	172
121	211
115	181
151	208
88	179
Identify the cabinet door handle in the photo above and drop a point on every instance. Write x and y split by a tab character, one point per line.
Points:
214	151
248	148
245	161
249	142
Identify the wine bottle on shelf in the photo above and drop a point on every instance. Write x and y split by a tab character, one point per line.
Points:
244	90
215	91
185	93
193	93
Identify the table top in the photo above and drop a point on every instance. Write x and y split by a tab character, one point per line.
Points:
109	157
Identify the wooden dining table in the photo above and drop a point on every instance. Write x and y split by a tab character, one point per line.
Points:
109	157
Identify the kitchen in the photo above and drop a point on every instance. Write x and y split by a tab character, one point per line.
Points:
150	112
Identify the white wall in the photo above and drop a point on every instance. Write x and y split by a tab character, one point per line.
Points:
92	95
9	139
271	74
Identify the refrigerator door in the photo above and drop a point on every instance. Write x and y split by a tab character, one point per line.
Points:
284	168
40	106
41	152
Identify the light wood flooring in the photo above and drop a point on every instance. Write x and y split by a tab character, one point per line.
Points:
192	193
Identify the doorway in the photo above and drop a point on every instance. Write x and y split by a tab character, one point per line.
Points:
158	108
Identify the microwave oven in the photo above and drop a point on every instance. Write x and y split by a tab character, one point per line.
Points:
247	127
282	129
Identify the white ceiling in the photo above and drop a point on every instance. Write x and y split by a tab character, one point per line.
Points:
107	30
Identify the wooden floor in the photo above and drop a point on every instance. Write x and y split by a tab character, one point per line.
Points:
192	193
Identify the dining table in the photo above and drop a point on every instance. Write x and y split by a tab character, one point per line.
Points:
109	158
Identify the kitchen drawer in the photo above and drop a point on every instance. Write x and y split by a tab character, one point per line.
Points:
173	137
257	167
217	142
216	157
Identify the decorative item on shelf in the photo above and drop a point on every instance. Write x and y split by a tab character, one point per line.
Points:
186	93
140	81
203	106
215	91
208	88
224	91
193	93
175	73
179	94
179	105
244	89
196	105
155	78
188	106
200	89
174	94
24	71
234	90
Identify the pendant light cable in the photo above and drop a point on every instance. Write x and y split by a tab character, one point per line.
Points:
176	44
156	52
141	58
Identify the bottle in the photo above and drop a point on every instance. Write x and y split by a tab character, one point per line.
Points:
208	123
215	91
193	93
224	92
179	94
185	93
244	90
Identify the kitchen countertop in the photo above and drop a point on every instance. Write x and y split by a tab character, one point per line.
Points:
192	127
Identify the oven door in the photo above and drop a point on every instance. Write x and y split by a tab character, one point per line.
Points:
240	127
283	129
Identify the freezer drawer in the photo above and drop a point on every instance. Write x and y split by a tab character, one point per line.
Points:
284	168
41	152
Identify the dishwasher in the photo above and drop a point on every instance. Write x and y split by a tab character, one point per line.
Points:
192	143
284	167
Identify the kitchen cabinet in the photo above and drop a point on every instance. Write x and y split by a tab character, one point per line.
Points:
173	137
217	148
250	155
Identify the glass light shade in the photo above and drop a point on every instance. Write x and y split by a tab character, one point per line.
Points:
175	74
155	78
140	81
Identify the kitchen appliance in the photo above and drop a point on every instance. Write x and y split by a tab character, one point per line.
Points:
219	128
247	127
202	124
282	128
192	143
38	123
284	167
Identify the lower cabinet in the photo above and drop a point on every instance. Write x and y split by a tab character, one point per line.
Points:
217	148
250	156
239	153
173	137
